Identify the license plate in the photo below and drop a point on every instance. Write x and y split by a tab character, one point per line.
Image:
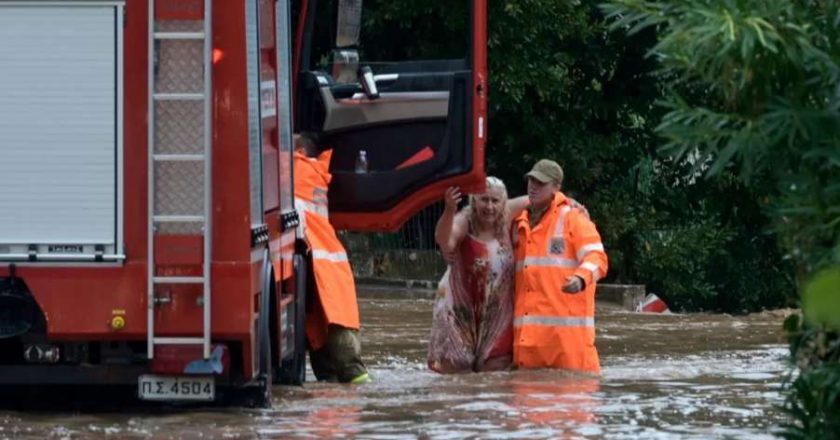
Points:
150	387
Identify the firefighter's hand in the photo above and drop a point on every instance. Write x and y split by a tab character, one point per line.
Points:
451	198
574	284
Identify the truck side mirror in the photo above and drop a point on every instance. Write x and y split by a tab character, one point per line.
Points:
368	82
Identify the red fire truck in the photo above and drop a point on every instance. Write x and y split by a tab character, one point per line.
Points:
147	227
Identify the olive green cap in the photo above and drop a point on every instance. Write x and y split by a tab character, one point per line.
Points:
546	171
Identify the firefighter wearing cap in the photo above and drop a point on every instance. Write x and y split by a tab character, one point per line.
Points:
559	259
332	318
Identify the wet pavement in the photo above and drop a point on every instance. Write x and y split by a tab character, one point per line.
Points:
664	376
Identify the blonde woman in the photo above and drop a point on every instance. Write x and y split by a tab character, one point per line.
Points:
473	311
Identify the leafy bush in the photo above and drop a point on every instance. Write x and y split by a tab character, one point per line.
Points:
755	88
679	261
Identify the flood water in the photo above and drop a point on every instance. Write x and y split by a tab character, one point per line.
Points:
664	376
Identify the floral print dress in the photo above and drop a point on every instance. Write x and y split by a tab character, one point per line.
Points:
472	324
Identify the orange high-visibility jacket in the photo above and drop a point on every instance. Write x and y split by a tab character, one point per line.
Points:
333	275
552	328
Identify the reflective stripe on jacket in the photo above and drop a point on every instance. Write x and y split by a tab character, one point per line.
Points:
333	275
552	328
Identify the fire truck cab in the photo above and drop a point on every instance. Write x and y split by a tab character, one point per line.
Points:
148	236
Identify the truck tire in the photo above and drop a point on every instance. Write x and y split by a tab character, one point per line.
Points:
259	394
293	370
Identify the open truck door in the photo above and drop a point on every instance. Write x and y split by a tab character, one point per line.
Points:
421	124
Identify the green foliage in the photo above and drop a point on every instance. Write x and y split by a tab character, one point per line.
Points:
678	261
813	400
597	118
754	87
814	404
821	299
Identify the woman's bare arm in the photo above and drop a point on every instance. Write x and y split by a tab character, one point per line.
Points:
516	205
452	225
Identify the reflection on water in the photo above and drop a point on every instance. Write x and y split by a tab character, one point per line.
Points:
689	376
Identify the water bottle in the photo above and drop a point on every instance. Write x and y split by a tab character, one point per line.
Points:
362	162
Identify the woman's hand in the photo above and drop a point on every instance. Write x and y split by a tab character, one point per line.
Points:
451	227
451	198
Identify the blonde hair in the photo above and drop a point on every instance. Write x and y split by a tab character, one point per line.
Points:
500	225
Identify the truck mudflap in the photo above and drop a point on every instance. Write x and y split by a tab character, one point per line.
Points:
189	360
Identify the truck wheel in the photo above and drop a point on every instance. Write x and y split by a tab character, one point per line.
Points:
260	393
293	370
263	391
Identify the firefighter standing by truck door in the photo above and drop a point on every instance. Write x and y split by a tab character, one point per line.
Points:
332	318
559	258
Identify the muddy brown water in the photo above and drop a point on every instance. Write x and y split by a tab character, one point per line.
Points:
664	376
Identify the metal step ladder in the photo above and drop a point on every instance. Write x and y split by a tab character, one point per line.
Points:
180	91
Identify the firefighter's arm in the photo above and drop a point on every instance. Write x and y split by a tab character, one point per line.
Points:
588	247
452	225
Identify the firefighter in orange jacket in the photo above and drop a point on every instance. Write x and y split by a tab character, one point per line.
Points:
332	318
559	258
